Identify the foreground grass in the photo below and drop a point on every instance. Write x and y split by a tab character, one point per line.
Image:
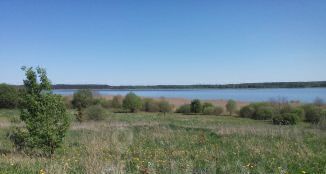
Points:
174	143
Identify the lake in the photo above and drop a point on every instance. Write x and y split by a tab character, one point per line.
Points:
250	95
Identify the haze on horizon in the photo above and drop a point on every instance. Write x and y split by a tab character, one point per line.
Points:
164	42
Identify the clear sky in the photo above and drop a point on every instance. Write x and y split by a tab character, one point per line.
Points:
138	42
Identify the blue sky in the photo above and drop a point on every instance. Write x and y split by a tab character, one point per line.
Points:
139	42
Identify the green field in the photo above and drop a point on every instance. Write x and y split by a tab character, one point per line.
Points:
174	143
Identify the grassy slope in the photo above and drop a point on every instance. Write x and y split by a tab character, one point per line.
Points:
174	143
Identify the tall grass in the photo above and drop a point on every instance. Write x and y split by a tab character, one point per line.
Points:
174	143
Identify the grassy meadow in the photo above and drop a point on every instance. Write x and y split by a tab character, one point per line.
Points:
173	143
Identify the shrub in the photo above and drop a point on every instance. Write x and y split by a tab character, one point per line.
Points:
196	106
95	113
43	113
264	113
205	105
247	111
106	103
185	109
218	110
208	110
132	102
8	96
102	101
312	113
164	106
117	101
286	119
15	119
299	112
150	105
231	106
82	98
211	110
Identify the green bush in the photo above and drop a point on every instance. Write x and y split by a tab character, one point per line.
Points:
164	106
43	113
185	109
313	113
132	102
196	106
9	96
247	111
150	105
205	105
95	113
264	113
299	112
208	110
82	98
286	119
117	102
211	110
102	101
15	119
231	106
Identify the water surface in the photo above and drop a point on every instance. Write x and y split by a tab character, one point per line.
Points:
251	95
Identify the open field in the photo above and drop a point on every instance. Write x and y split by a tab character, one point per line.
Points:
174	143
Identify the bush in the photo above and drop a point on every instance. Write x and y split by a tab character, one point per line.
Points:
206	105
196	106
264	113
218	110
231	106
208	110
164	106
150	105
117	102
299	112
95	113
211	110
312	113
9	96
132	102
247	111
43	113
102	101
286	119
15	119
82	98
185	109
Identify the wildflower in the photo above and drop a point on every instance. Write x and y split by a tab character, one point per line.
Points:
42	171
303	172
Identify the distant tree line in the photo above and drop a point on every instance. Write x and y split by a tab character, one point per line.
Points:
242	85
312	84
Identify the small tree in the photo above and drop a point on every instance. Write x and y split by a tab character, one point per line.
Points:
196	106
132	102
82	98
8	96
43	113
231	106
